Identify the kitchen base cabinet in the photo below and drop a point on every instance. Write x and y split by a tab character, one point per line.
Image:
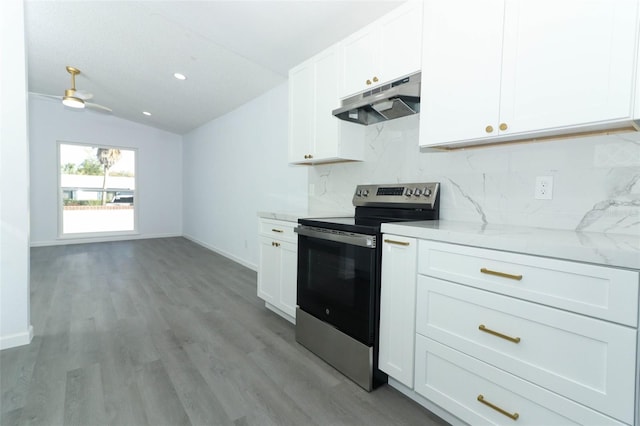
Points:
503	336
587	360
277	270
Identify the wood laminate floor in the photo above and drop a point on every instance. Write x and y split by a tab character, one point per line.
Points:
165	332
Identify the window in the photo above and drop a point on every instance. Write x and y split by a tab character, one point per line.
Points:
97	189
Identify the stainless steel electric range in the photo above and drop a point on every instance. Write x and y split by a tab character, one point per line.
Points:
339	276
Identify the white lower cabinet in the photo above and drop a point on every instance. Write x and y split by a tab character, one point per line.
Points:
503	337
397	313
277	271
584	359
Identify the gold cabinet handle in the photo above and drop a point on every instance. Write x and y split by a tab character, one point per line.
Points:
277	230
375	79
398	243
482	327
512	416
503	126
274	244
368	82
488	129
501	274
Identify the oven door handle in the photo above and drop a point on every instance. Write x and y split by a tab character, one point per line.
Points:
350	238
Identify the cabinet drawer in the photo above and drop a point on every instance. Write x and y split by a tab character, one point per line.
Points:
597	291
454	381
587	360
278	229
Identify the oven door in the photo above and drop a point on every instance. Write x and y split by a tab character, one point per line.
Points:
336	279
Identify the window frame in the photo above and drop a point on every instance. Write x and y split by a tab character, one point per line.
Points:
60	192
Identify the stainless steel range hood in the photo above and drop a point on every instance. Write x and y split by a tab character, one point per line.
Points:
385	102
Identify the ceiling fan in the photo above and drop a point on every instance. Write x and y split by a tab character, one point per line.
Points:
78	98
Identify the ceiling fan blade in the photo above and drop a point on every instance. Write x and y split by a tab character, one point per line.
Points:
98	108
43	95
83	94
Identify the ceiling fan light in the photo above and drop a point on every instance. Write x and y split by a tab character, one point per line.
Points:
73	102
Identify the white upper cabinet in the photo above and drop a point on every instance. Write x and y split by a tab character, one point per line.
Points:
385	50
517	69
315	135
301	111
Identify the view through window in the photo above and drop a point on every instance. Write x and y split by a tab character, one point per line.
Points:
97	185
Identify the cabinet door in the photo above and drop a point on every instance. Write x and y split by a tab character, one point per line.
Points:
359	59
301	110
326	100
400	42
288	278
461	63
269	271
397	308
571	66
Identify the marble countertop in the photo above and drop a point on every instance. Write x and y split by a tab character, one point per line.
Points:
293	216
617	250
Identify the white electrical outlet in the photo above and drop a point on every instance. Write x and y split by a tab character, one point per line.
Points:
544	188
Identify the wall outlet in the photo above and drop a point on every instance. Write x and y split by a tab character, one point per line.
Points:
544	188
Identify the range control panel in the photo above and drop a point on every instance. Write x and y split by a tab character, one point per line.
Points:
417	195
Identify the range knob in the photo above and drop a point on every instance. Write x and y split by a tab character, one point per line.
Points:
358	193
427	192
365	192
409	192
418	192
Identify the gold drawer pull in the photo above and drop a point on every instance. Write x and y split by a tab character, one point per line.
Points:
501	274
482	327
399	243
276	230
274	244
513	416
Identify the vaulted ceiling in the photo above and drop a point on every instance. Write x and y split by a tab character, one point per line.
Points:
230	51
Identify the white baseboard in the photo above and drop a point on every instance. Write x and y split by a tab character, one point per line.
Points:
222	253
17	339
65	241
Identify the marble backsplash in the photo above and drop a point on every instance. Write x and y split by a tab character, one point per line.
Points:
596	179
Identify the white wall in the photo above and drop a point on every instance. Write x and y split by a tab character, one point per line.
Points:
596	183
236	166
15	324
158	174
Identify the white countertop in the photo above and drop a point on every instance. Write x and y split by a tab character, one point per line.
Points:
618	250
293	216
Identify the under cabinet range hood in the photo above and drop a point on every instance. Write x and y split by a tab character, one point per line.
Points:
385	102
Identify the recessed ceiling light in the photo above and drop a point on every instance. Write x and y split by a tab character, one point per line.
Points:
180	76
146	112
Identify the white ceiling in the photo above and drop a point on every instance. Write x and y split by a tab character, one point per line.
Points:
230	51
